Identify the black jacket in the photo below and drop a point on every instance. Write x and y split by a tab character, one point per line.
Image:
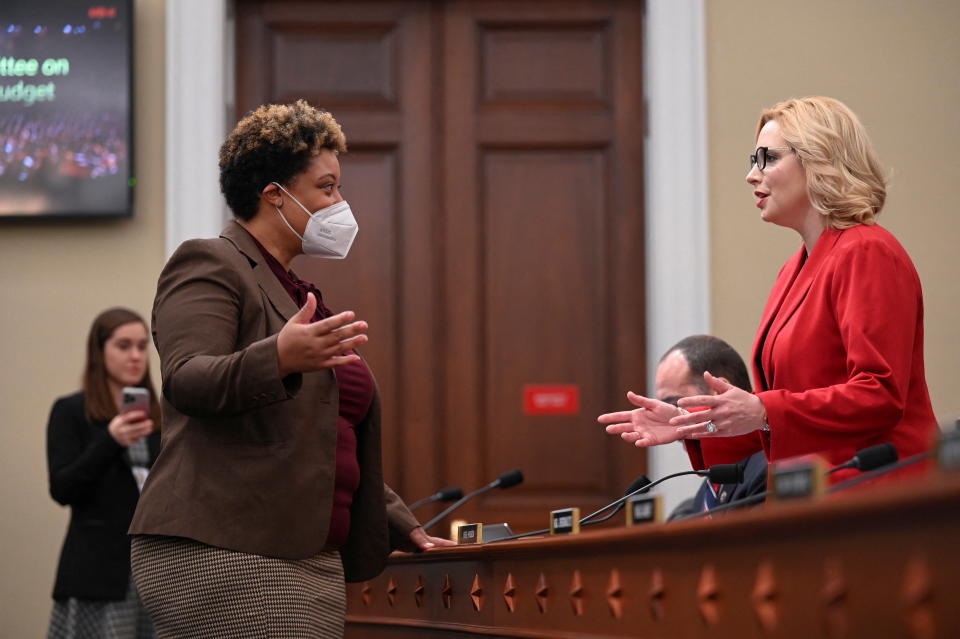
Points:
89	472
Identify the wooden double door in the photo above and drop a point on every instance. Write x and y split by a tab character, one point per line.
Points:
495	168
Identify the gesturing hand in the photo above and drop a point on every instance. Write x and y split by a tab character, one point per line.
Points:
130	427
732	410
648	425
304	347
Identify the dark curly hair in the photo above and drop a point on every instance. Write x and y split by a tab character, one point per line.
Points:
274	143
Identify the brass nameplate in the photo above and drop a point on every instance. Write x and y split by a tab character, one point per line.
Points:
565	521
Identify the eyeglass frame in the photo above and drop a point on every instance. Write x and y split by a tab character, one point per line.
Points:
755	156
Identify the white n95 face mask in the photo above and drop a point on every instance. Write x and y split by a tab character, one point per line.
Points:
329	233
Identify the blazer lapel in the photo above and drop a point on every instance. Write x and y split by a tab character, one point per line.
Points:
793	294
786	277
266	280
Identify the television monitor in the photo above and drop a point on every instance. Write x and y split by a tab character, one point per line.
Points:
65	108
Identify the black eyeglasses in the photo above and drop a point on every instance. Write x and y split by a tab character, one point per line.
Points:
760	157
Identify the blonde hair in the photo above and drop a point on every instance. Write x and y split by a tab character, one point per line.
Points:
845	181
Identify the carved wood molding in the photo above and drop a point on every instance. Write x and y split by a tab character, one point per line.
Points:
834	598
576	593
615	594
446	592
658	592
916	597
391	592
765	595
822	576
476	593
418	592
510	593
708	596
542	591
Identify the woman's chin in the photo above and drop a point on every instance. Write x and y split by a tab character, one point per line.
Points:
131	380
773	217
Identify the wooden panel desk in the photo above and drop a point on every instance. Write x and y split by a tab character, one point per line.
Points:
881	563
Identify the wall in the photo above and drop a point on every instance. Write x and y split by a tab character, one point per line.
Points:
895	64
55	278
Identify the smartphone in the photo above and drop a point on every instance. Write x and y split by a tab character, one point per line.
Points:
134	398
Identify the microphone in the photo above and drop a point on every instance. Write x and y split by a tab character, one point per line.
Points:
873	458
451	493
508	479
870	458
726	473
717	474
909	461
636	486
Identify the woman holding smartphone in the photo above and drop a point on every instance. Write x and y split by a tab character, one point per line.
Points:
99	453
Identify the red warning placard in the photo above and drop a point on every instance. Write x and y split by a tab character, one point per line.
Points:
551	399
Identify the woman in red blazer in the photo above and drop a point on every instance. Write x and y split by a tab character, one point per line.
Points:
838	357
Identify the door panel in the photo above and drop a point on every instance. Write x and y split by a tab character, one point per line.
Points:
543	269
323	60
542	156
495	169
526	64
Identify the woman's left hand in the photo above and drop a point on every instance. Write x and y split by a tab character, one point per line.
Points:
423	541
733	411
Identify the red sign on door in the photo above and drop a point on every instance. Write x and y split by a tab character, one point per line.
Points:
551	399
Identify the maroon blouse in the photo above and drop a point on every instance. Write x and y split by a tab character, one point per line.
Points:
355	386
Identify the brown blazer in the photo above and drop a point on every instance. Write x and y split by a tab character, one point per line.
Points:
248	459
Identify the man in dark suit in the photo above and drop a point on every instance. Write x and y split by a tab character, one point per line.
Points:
680	374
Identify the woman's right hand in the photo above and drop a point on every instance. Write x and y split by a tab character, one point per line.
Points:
648	425
303	347
130	427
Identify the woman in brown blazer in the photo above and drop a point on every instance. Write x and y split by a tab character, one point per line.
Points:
268	491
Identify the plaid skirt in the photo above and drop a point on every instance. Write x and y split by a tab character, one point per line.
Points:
193	590
91	619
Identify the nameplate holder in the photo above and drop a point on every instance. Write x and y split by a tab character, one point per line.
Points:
797	478
494	532
470	534
565	521
454	527
644	509
948	451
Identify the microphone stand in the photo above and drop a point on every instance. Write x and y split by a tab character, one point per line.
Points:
494	484
585	521
439	496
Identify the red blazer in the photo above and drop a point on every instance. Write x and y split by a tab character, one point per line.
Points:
704	453
838	357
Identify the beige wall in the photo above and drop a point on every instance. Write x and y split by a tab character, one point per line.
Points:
55	278
895	63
